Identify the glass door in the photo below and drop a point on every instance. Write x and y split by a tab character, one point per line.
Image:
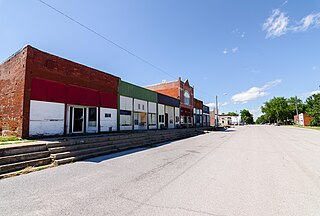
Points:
78	120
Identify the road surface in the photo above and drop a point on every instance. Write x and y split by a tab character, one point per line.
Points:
250	170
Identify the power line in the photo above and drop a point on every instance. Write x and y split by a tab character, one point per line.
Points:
106	39
110	41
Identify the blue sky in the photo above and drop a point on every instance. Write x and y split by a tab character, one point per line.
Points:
244	51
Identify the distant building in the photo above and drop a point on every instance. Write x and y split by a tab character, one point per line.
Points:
197	112
235	120
183	91
303	119
225	120
206	116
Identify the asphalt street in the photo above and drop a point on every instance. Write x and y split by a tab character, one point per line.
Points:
248	170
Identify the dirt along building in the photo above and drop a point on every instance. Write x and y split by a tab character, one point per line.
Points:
182	91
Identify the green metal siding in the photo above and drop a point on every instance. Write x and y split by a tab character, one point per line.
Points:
133	91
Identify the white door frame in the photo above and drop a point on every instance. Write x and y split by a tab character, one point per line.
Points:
77	107
87	121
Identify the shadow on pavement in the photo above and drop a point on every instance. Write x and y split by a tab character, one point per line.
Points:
124	153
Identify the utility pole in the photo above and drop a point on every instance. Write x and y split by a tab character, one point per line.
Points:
217	112
297	111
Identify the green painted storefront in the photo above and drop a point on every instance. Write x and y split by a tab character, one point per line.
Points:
135	92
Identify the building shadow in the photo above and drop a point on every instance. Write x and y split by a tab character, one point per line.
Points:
124	152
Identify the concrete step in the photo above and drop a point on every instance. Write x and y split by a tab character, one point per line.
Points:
55	150
14	150
119	139
82	157
21	165
23	157
82	152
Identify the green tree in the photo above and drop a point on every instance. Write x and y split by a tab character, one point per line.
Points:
262	119
246	116
276	109
293	103
313	108
233	114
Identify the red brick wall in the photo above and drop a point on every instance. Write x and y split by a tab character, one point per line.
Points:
49	67
12	82
307	119
171	89
197	103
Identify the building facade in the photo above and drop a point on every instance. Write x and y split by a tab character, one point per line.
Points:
182	91
197	112
55	96
206	116
168	112
137	108
45	95
303	119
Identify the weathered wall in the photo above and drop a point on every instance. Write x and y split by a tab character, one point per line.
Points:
12	82
54	79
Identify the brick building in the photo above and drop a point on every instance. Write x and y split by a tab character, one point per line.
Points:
182	91
303	119
45	95
197	112
42	94
206	116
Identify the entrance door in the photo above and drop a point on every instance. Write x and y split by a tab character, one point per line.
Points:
92	120
78	120
166	121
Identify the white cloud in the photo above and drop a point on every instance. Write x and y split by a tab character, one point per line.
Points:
225	51
234	50
276	24
309	21
256	113
312	93
254	92
212	105
315	67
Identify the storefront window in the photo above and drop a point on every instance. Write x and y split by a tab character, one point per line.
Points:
161	118
152	120
140	119
125	118
186	98
92	117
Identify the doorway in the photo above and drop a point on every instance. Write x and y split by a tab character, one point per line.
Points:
166	121
77	120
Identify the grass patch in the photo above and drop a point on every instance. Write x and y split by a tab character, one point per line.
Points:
313	127
307	127
13	140
6	139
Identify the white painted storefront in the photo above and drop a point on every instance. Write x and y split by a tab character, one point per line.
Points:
46	118
108	119
140	114
126	113
168	116
152	115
